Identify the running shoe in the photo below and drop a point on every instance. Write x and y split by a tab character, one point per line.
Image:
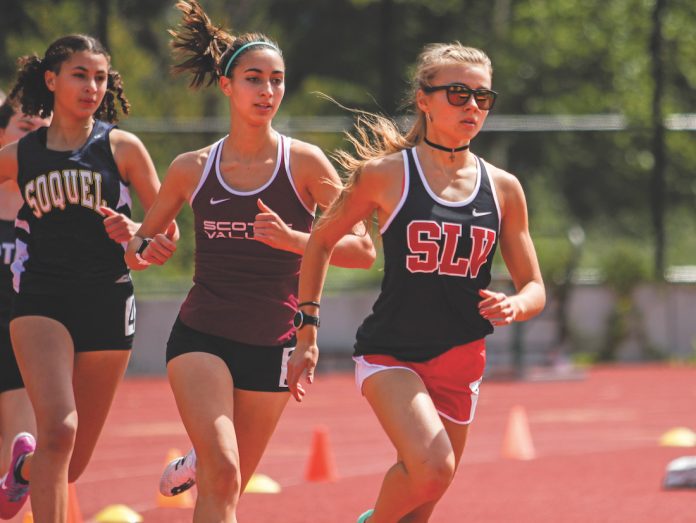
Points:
13	489
179	475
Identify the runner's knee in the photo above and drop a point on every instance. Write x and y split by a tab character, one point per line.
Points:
432	477
57	435
219	476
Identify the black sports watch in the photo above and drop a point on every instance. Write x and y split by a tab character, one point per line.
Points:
302	318
143	246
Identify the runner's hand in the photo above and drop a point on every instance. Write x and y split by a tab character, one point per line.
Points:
497	307
269	228
119	227
303	359
161	248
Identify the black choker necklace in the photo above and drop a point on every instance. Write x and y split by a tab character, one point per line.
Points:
450	150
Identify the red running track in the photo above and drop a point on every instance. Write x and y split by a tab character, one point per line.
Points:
596	438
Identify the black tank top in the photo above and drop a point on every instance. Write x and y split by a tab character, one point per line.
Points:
244	290
7	255
437	256
61	243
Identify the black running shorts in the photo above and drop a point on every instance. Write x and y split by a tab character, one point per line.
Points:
10	378
253	367
97	319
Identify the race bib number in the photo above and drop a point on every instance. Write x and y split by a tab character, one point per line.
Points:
130	316
287	352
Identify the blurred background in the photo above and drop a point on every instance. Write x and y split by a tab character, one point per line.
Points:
596	116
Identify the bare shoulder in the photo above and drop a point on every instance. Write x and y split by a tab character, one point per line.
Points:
9	151
306	156
190	163
185	172
124	142
8	162
384	172
507	184
302	149
508	188
503	179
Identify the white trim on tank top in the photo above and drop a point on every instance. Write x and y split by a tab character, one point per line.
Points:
439	200
286	155
206	168
493	191
230	190
404	194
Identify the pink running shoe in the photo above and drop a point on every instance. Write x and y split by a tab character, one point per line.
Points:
179	475
13	489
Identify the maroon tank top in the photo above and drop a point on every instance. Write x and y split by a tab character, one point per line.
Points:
244	290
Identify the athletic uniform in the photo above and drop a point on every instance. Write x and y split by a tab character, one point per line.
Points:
67	268
437	256
245	292
10	378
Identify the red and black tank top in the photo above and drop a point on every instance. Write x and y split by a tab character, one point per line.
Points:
244	290
437	256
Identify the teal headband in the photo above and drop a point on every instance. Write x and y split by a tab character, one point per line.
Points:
245	46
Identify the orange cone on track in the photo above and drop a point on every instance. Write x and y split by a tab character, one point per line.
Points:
74	512
320	466
518	438
183	500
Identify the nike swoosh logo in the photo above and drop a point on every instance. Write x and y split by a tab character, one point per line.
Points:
476	213
213	201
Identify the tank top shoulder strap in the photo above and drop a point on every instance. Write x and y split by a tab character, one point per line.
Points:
101	129
409	168
99	139
210	166
486	180
416	174
286	143
410	165
487	184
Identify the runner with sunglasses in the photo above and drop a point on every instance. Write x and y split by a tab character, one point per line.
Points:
442	211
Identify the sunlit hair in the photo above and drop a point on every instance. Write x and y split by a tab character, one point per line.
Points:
33	95
205	49
376	136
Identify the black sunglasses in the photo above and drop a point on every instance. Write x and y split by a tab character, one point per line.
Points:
459	94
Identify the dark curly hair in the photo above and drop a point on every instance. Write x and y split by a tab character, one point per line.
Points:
30	90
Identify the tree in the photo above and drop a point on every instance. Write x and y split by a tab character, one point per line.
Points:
16	19
657	194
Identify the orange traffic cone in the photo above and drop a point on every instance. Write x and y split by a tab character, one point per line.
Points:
74	512
183	500
321	466
518	439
